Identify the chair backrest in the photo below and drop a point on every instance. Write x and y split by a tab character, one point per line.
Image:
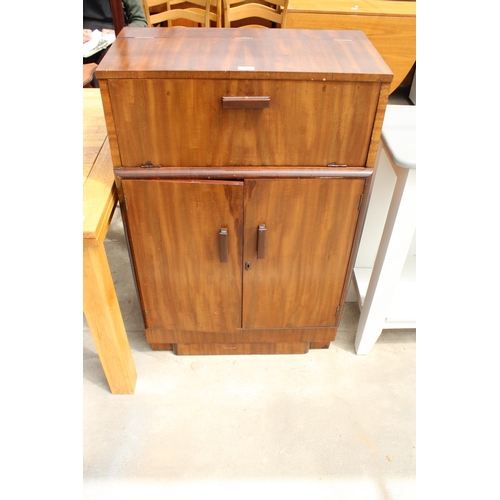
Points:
88	73
274	12
197	11
117	15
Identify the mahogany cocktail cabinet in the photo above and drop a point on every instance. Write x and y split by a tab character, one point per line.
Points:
243	160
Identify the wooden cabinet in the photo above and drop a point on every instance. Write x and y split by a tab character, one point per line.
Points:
243	161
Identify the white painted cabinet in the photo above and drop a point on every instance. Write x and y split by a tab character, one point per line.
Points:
384	277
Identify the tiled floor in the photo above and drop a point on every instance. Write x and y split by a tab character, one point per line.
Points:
324	425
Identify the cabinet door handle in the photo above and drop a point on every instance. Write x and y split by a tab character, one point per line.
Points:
223	249
261	242
246	102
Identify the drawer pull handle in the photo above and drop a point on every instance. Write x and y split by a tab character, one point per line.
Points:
223	251
261	242
246	102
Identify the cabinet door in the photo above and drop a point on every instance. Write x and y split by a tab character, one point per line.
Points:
183	122
174	231
309	231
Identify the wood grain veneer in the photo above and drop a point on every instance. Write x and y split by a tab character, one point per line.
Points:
202	179
243	53
310	225
187	288
183	123
248	336
389	25
242	348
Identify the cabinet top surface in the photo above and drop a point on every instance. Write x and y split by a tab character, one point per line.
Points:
244	53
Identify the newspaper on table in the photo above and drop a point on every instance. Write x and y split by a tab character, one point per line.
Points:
99	41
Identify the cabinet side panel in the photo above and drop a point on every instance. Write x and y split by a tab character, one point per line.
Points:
110	123
174	228
310	225
377	125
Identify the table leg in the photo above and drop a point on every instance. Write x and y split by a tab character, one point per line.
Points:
391	256
103	315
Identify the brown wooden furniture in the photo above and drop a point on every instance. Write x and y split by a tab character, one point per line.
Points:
389	24
255	14
100	304
196	12
242	175
88	73
118	15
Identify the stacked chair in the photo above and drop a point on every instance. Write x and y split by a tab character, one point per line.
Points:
207	13
202	13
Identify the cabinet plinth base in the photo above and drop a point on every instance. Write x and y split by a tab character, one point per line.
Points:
162	347
246	348
319	337
319	345
241	348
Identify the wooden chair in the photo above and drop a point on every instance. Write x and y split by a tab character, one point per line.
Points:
88	74
197	12
117	15
118	24
239	13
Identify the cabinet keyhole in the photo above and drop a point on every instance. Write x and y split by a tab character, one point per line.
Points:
247	265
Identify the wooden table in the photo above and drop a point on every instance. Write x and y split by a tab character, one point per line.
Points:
100	304
390	26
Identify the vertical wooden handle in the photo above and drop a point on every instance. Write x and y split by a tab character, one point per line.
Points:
223	245
261	242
